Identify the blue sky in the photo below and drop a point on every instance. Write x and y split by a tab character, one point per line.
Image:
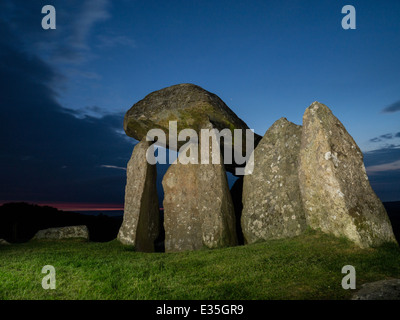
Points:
265	59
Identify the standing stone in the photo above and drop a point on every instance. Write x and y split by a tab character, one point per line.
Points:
272	205
198	209
337	196
182	221
140	226
216	206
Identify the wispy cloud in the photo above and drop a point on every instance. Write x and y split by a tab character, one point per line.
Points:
75	49
90	75
387	136
74	147
394	107
112	167
109	41
113	118
70	43
384	167
92	12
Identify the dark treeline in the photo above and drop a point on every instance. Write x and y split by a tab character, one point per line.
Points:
19	222
393	210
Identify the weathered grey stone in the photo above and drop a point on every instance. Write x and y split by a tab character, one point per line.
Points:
63	233
337	196
272	205
198	209
190	105
140	226
379	290
4	242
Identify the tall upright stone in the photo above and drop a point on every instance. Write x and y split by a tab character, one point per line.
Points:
337	195
182	221
216	205
272	205
140	226
198	209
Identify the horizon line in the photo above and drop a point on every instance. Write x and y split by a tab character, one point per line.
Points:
74	206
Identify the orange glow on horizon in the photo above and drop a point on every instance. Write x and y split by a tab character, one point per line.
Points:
65	206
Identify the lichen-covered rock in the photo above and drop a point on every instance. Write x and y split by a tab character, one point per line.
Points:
182	221
379	290
215	204
190	105
272	205
336	192
140	226
198	209
81	232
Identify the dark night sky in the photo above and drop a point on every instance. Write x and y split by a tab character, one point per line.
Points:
63	92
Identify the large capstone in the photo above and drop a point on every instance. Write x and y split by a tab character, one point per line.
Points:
272	205
198	209
140	226
191	107
337	195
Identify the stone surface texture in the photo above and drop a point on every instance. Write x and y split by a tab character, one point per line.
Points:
140	226
337	196
379	290
63	233
272	204
198	209
190	105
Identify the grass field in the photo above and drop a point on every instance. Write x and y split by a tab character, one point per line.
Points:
305	267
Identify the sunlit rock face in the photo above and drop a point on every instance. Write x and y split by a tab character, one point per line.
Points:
140	226
336	192
272	205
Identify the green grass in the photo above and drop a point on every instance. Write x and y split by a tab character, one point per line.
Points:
305	267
